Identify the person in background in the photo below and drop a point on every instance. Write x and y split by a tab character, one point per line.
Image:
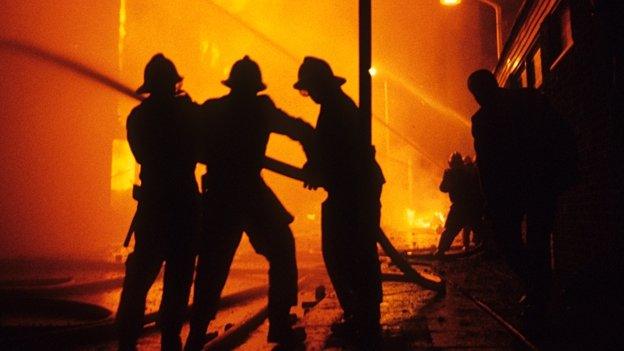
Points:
522	173
465	212
476	198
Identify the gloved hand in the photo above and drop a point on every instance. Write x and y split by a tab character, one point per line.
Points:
312	178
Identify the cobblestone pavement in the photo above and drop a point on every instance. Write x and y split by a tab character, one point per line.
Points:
412	318
417	319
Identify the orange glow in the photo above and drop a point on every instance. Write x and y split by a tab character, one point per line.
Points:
429	221
450	2
440	216
66	134
122	166
122	32
423	229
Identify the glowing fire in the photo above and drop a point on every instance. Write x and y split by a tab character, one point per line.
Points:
410	215
122	166
440	215
424	222
423	229
122	32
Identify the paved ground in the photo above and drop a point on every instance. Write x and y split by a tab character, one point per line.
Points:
417	319
413	318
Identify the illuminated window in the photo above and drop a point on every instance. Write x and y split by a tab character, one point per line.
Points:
537	68
566	29
122	166
524	78
200	170
562	36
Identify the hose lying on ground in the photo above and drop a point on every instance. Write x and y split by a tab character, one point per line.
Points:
449	256
106	329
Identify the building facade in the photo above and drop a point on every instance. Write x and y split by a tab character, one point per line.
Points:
571	50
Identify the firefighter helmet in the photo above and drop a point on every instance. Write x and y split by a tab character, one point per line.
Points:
245	74
455	160
159	72
316	72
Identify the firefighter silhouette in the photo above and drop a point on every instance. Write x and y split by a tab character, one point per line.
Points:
235	129
522	173
345	166
459	181
160	133
478	229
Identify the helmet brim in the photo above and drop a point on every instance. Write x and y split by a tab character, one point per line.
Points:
303	85
145	88
234	85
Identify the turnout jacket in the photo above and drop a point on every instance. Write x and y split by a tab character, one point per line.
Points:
345	161
235	131
162	137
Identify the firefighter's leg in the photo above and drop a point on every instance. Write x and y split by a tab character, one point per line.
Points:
177	282
142	267
275	241
452	227
335	245
213	267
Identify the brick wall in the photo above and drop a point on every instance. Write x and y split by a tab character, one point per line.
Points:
580	87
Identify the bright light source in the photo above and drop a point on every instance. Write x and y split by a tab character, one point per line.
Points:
372	71
450	2
410	215
122	166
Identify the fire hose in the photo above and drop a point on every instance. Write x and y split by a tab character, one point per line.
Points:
269	163
103	328
427	257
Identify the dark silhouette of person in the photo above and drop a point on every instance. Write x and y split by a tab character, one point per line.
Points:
466	205
161	137
476	195
345	166
526	155
236	129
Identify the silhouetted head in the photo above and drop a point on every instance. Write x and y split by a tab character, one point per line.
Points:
160	77
468	160
456	160
483	86
245	77
316	79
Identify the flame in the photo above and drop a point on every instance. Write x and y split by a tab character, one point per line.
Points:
122	166
440	216
410	215
423	221
423	228
122	32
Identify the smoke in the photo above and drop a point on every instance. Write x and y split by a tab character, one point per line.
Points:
66	171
